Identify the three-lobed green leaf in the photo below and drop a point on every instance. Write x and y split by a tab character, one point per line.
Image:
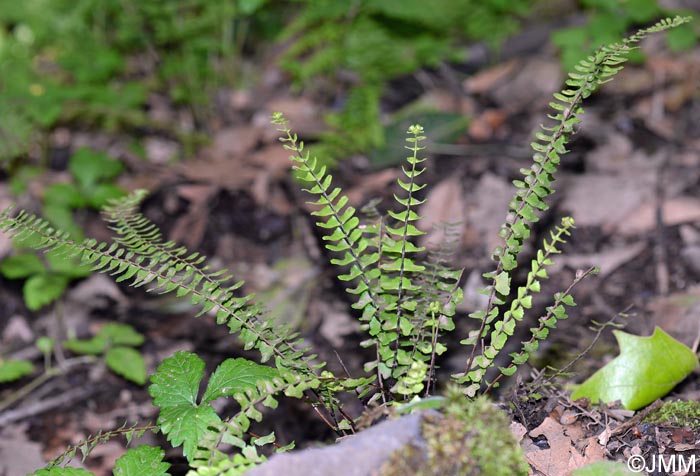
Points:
175	387
142	461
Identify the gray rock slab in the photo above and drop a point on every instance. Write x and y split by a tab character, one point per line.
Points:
358	455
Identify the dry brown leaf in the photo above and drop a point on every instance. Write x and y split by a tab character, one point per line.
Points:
605	200
444	204
677	314
303	114
225	174
371	185
487	79
487	124
675	211
189	228
531	85
562	457
488	208
608	260
233	142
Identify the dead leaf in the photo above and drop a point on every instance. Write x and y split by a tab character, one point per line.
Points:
562	457
608	260
302	112
588	198
444	204
487	79
370	186
532	84
674	211
487	124
233	142
488	207
18	456
678	314
189	228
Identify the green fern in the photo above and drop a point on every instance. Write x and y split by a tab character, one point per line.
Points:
379	259
403	304
533	189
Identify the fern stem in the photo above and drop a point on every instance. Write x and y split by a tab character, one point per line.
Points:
404	239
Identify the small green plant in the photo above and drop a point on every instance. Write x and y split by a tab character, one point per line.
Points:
45	279
404	303
92	186
115	342
95	62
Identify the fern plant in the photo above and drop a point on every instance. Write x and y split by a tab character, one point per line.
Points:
403	303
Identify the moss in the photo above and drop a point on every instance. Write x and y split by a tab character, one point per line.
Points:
465	439
678	413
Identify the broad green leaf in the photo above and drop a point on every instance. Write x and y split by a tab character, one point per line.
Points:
128	363
67	471
142	461
121	334
64	195
236	376
14	369
95	346
43	289
646	369
21	266
101	194
604	468
174	388
88	167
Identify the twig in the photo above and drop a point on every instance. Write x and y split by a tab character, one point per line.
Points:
43	378
636	418
64	399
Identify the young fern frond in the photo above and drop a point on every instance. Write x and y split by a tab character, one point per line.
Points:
535	187
400	290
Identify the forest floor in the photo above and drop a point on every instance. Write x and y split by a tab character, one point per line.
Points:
631	182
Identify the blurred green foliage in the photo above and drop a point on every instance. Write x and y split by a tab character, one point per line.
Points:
45	279
96	61
611	19
91	186
375	41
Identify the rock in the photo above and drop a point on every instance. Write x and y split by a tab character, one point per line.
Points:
358	455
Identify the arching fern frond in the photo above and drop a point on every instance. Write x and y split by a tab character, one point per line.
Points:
139	255
536	186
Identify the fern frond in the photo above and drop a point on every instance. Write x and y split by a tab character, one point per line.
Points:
398	286
536	185
505	328
139	256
